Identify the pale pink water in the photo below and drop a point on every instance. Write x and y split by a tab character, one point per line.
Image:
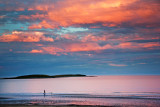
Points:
100	90
88	85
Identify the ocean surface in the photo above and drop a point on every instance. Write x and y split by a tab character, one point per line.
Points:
98	90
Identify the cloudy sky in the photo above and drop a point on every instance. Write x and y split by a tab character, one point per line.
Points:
92	37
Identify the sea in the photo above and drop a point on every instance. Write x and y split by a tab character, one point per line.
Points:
143	91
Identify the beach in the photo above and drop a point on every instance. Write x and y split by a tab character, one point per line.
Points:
16	105
7	105
87	100
114	91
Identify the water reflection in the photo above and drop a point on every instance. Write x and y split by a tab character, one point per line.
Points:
88	85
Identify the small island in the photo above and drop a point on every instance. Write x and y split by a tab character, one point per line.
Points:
38	76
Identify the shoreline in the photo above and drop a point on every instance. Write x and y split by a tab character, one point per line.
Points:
85	102
36	105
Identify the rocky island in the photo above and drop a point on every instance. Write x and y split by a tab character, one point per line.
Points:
35	76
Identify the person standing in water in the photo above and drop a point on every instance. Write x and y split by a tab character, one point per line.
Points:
44	93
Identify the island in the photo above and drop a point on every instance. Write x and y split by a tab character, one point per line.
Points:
37	76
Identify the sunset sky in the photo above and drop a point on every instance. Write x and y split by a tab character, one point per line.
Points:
92	37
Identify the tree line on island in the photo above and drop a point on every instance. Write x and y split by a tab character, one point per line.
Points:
45	76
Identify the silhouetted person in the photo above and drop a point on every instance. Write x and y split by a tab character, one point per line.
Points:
44	93
52	94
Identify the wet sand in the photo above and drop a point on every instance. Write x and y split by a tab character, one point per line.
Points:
20	105
76	100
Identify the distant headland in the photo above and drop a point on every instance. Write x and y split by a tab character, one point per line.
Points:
35	76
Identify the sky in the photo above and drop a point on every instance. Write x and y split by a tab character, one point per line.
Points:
92	37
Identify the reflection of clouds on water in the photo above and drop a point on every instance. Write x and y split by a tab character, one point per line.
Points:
100	90
103	85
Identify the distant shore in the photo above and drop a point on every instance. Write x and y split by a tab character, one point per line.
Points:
39	76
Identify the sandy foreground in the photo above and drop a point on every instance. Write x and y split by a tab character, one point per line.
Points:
20	105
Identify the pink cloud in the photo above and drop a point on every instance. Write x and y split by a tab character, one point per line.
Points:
91	46
19	36
142	63
94	38
117	65
133	46
110	13
69	48
43	24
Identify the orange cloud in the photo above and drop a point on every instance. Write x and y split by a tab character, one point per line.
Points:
125	45
74	47
150	45
36	51
32	17
110	13
130	45
18	36
53	50
92	46
41	25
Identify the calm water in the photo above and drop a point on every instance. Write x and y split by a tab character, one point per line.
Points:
100	90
